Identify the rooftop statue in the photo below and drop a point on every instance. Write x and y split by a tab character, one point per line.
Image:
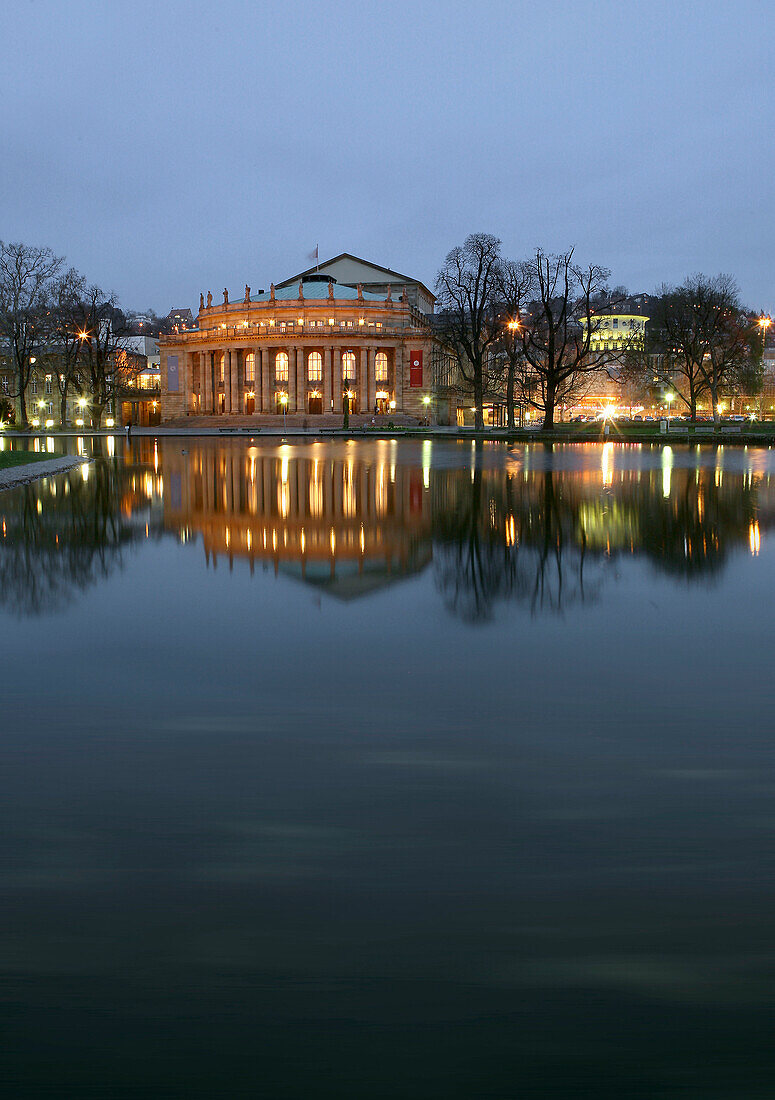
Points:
247	293
209	299
360	292
301	290
201	302
330	290
271	292
225	296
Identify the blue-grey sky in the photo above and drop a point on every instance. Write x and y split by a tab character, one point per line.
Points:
168	147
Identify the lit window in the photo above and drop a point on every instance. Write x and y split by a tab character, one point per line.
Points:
222	368
250	367
381	367
48	383
348	366
34	385
281	366
315	367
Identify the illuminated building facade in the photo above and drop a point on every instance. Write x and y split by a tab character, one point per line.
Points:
345	332
617	332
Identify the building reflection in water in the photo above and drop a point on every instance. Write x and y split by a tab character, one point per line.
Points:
538	525
347	518
317	513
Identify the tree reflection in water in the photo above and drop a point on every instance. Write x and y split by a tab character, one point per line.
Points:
540	532
547	539
61	535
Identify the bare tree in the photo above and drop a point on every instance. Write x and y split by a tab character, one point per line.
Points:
512	284
731	334
68	293
559	324
104	355
704	338
468	324
26	275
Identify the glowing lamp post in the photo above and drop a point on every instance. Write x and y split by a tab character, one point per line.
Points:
670	398
284	403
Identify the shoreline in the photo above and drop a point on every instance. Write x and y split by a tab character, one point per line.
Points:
498	435
14	476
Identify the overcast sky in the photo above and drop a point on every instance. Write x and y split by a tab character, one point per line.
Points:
171	147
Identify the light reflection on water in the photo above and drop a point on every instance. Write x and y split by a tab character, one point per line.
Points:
389	768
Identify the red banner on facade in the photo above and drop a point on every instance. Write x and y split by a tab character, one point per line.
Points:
415	368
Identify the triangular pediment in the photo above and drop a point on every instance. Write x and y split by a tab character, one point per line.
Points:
351	270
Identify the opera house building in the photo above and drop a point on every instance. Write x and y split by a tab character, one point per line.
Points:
344	332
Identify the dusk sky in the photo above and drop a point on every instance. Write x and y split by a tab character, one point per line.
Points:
169	148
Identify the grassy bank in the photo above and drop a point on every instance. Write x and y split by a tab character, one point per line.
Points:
9	459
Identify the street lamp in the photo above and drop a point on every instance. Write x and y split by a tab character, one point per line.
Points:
670	398
284	403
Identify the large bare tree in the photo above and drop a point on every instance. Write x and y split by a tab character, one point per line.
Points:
26	277
66	342
104	356
512	284
468	322
559	320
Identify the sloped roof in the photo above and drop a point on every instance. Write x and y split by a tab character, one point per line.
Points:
318	291
367	263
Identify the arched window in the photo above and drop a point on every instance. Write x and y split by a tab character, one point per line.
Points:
381	367
348	366
281	366
250	367
315	367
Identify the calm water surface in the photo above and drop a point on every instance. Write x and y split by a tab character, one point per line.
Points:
389	769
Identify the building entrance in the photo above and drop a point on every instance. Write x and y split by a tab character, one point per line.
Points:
315	403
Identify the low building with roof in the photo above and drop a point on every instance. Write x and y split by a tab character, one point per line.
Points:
307	345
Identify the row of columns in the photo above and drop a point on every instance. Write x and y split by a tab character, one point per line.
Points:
325	491
264	386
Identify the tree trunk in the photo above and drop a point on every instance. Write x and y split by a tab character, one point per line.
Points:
63	409
478	400
549	405
22	408
98	411
510	396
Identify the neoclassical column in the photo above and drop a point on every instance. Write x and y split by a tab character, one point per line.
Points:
363	396
301	380
372	379
184	381
234	395
255	385
227	382
291	379
338	382
327	372
265	380
207	382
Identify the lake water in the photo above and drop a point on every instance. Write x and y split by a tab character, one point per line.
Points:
388	769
